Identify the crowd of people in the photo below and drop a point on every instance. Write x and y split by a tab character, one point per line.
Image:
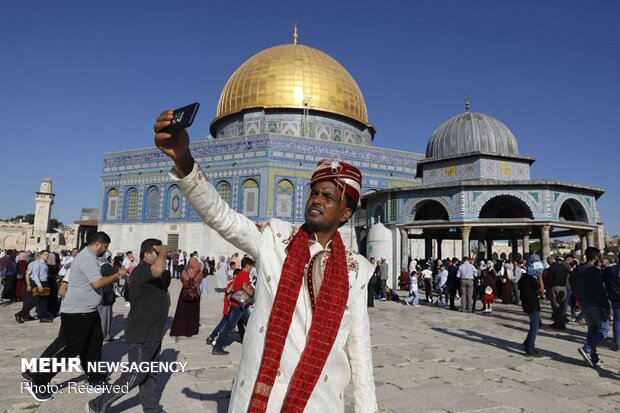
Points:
587	293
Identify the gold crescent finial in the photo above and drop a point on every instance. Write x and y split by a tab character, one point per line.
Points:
295	34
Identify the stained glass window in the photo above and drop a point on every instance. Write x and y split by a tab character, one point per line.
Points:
174	203
152	203
250	198
284	199
132	204
112	204
224	190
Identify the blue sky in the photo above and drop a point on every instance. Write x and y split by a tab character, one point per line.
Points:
78	79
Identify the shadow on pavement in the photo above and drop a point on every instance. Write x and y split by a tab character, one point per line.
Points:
167	355
506	345
222	398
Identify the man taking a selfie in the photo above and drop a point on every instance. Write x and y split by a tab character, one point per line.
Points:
309	334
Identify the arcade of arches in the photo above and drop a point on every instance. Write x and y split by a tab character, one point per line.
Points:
503	217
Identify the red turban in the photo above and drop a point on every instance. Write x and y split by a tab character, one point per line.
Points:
346	177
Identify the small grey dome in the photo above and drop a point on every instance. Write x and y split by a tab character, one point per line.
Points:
47	179
471	132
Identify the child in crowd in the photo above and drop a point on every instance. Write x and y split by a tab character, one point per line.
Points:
488	299
414	297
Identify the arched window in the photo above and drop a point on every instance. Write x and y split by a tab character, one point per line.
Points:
284	199
132	204
112	204
152	203
224	190
250	198
174	203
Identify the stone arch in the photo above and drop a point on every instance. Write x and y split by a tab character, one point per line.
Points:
571	209
412	206
483	199
505	206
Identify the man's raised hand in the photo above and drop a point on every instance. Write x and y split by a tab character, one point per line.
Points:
175	145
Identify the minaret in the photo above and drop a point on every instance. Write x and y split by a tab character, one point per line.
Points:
43	206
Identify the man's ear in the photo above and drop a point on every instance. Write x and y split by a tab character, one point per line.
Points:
346	214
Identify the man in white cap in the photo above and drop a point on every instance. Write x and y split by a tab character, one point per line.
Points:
304	342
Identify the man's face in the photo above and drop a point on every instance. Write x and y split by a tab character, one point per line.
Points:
325	209
74	252
100	249
43	256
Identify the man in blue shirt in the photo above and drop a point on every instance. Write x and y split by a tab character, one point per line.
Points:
38	281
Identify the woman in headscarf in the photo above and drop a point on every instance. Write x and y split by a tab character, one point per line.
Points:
507	281
221	274
186	320
8	267
20	286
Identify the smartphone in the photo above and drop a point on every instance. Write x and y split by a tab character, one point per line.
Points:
183	118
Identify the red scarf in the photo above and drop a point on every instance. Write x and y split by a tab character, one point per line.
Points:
326	320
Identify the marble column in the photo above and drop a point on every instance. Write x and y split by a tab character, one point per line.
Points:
600	237
545	245
584	243
526	245
428	246
465	231
404	249
515	247
590	236
489	244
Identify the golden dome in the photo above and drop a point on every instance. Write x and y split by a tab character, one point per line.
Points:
289	75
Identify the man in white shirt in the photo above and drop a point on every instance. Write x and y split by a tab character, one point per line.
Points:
466	274
128	260
65	264
308	335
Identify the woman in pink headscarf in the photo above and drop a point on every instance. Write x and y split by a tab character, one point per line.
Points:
186	320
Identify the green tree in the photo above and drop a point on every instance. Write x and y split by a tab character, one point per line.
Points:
54	223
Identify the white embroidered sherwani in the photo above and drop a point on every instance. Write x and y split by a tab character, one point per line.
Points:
350	358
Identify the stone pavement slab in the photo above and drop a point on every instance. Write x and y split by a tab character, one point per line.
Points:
426	359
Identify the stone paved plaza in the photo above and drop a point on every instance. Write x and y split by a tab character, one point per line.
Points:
426	359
